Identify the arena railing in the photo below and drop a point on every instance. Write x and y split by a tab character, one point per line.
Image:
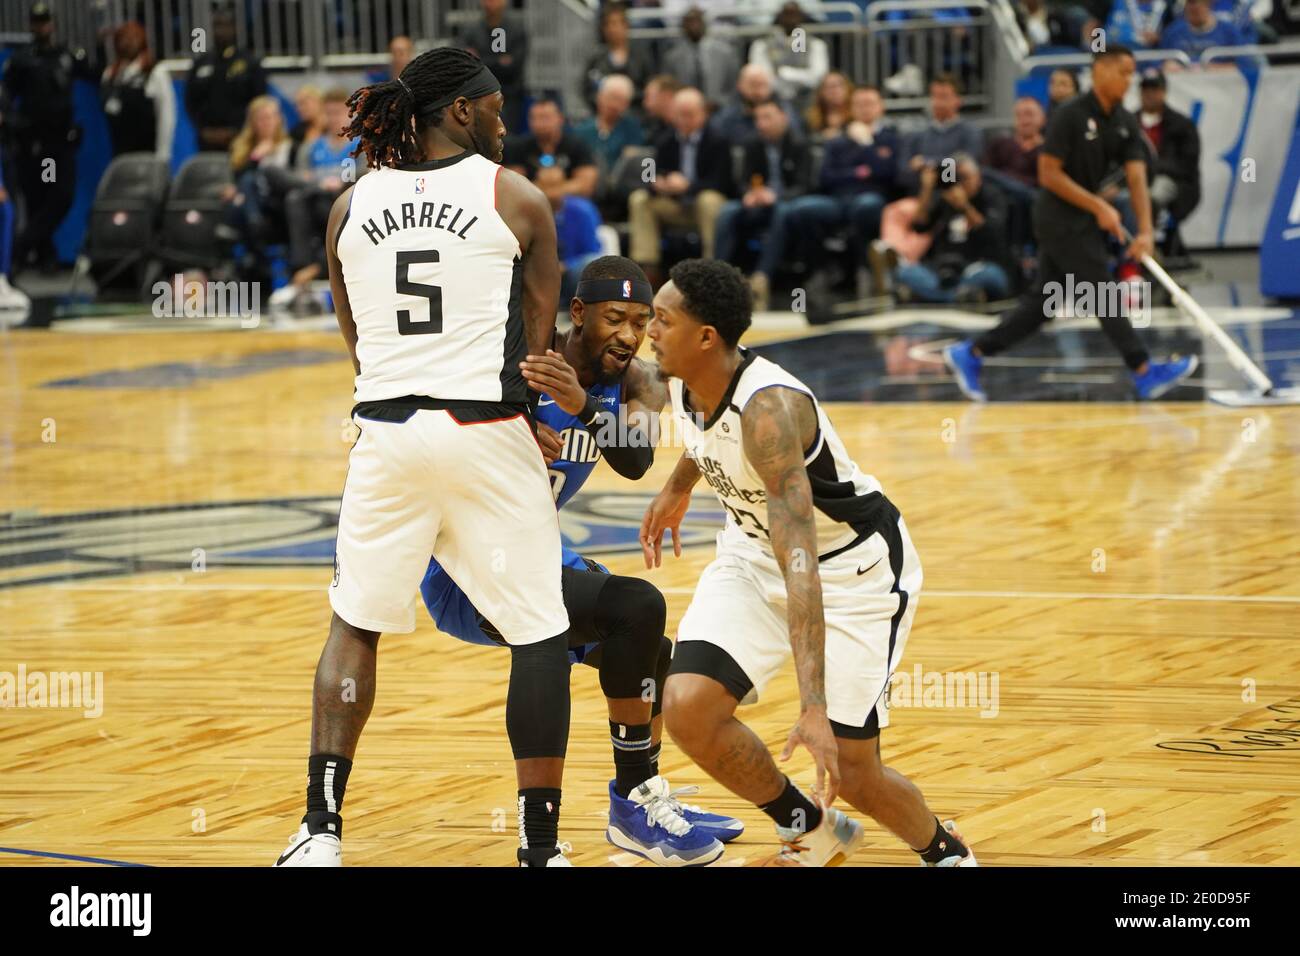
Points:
839	24
924	43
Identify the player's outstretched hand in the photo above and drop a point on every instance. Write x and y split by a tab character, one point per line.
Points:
551	374
813	730
665	512
550	441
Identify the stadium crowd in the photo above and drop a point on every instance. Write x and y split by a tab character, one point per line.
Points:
766	153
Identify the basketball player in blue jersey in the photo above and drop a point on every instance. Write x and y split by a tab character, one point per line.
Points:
593	395
443	269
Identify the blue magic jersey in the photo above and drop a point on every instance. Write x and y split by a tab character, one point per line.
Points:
447	603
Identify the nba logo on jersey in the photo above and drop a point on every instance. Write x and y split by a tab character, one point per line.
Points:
627	288
419	186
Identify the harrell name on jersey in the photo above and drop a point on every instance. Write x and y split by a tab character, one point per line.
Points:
850	505
434	277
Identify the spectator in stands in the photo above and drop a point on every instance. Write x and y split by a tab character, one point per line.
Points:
968	221
735	122
1251	18
697	60
326	167
858	177
576	225
1044	26
500	40
613	127
798	61
1137	23
310	103
946	135
36	104
1062	85
657	106
1014	158
830	111
1175	147
255	199
137	97
1196	31
616	54
401	50
549	144
776	170
691	182
222	82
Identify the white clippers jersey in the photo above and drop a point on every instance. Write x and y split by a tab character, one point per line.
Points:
849	503
434	278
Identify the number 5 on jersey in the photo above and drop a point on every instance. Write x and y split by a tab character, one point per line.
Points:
405	326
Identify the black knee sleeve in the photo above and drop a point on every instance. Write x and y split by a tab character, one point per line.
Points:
537	704
631	617
661	675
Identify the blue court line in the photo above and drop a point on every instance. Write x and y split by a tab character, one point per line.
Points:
67	856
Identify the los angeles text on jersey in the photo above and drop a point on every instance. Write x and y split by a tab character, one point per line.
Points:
431	215
720	482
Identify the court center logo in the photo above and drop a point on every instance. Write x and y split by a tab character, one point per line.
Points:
287	532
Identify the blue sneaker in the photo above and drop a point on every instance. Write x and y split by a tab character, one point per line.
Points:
965	366
647	823
1160	377
725	829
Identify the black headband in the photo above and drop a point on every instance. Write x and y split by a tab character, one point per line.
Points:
479	84
615	290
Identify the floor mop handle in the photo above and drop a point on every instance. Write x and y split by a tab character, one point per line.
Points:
1239	359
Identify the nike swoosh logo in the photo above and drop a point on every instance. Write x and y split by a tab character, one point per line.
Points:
542	401
865	570
289	853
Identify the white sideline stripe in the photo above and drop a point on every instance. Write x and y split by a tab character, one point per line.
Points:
1026	595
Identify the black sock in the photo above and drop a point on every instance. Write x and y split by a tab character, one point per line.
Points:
539	824
654	758
631	755
327	778
942	845
793	810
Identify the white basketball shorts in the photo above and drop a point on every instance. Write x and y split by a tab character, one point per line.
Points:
473	494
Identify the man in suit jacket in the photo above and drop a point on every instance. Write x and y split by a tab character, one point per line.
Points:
777	169
689	182
707	63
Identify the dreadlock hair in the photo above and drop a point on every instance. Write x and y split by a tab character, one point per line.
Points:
383	115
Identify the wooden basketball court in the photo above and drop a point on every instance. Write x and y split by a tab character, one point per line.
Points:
1125	577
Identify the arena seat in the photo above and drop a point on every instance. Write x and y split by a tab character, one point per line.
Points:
193	212
124	221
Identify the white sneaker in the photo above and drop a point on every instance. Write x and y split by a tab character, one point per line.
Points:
909	81
11	298
306	849
559	859
967	860
835	838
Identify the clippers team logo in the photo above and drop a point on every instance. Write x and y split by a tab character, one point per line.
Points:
627	288
419	186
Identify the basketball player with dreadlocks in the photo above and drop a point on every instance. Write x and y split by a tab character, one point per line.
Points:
594	395
444	273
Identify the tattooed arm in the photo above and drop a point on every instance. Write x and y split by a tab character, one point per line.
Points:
776	425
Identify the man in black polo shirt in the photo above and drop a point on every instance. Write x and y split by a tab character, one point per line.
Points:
548	143
1087	137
